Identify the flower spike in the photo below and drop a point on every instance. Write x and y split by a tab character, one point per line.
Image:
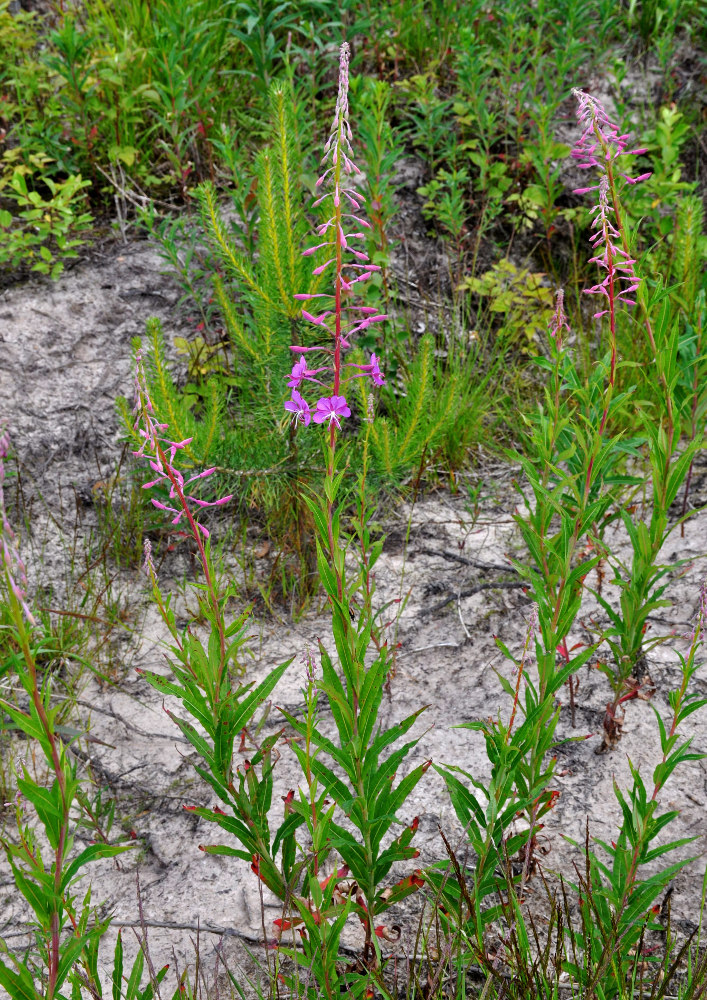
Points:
155	447
341	318
600	146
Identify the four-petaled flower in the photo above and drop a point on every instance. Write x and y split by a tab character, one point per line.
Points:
375	372
300	373
299	407
330	408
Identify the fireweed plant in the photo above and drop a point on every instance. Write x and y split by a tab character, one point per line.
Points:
641	583
574	458
570	459
367	795
573	463
329	856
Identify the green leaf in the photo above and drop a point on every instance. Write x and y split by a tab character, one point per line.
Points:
39	899
18	984
353	854
343	796
389	736
71	948
343	716
465	804
125	153
247	708
91	853
287	827
117	973
149	991
27	724
47	802
371	695
135	977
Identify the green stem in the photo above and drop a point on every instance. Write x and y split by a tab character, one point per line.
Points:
56	762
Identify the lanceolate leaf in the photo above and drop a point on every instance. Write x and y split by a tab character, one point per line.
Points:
94	852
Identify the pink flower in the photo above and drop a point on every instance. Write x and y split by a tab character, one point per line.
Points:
301	373
311	250
330	408
612	258
324	266
600	146
375	372
372	369
317	320
299	407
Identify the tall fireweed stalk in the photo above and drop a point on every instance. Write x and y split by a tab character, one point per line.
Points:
364	792
602	148
354	687
580	497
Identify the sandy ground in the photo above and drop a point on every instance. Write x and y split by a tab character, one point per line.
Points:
65	356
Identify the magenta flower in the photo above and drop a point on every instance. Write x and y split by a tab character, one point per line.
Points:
375	372
301	373
317	320
372	369
300	408
298	373
330	408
